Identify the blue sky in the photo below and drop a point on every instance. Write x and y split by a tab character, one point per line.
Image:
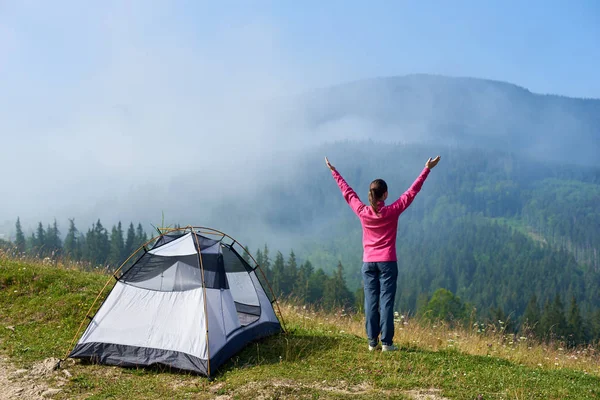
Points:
546	46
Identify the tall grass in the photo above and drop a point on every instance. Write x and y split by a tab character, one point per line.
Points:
481	340
323	354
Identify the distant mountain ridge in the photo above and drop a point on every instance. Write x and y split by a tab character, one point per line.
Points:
460	112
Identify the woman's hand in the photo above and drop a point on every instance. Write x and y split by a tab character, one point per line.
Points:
432	163
331	167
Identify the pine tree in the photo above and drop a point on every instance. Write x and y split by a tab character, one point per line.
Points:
81	247
595	325
40	240
31	244
246	255
130	241
71	247
259	258
576	325
277	281
289	274
336	293
52	241
102	242
56	233
97	244
554	322
89	249
266	264
316	286
301	290
117	246
300	287
502	321
20	237
532	318
359	299
140	236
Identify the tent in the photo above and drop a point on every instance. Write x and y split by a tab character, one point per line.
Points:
189	302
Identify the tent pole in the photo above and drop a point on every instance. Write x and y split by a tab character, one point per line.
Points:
205	301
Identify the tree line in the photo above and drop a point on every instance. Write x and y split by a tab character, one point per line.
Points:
550	321
544	317
287	277
97	246
303	283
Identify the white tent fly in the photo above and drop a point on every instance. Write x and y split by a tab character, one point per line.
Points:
189	302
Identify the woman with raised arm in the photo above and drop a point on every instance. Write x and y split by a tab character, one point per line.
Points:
380	265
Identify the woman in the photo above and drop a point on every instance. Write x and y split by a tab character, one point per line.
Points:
380	267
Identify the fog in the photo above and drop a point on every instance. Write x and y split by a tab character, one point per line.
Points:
128	111
122	109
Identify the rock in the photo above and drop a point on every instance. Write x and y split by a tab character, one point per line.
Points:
67	373
50	392
45	367
19	372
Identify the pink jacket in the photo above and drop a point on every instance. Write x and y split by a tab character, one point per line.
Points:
379	231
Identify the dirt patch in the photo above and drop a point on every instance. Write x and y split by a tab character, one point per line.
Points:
29	384
33	384
427	394
290	389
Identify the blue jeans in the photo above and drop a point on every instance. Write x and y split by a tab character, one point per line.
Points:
380	292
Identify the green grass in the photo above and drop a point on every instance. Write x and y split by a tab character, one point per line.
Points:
321	356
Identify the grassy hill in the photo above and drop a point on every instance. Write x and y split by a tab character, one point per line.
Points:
321	356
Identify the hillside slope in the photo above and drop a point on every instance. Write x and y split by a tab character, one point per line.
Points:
321	356
532	226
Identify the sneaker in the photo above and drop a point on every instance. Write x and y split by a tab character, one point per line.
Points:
373	348
391	347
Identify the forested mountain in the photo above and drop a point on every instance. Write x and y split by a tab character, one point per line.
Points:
492	227
512	211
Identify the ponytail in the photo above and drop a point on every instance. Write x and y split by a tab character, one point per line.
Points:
376	191
373	200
